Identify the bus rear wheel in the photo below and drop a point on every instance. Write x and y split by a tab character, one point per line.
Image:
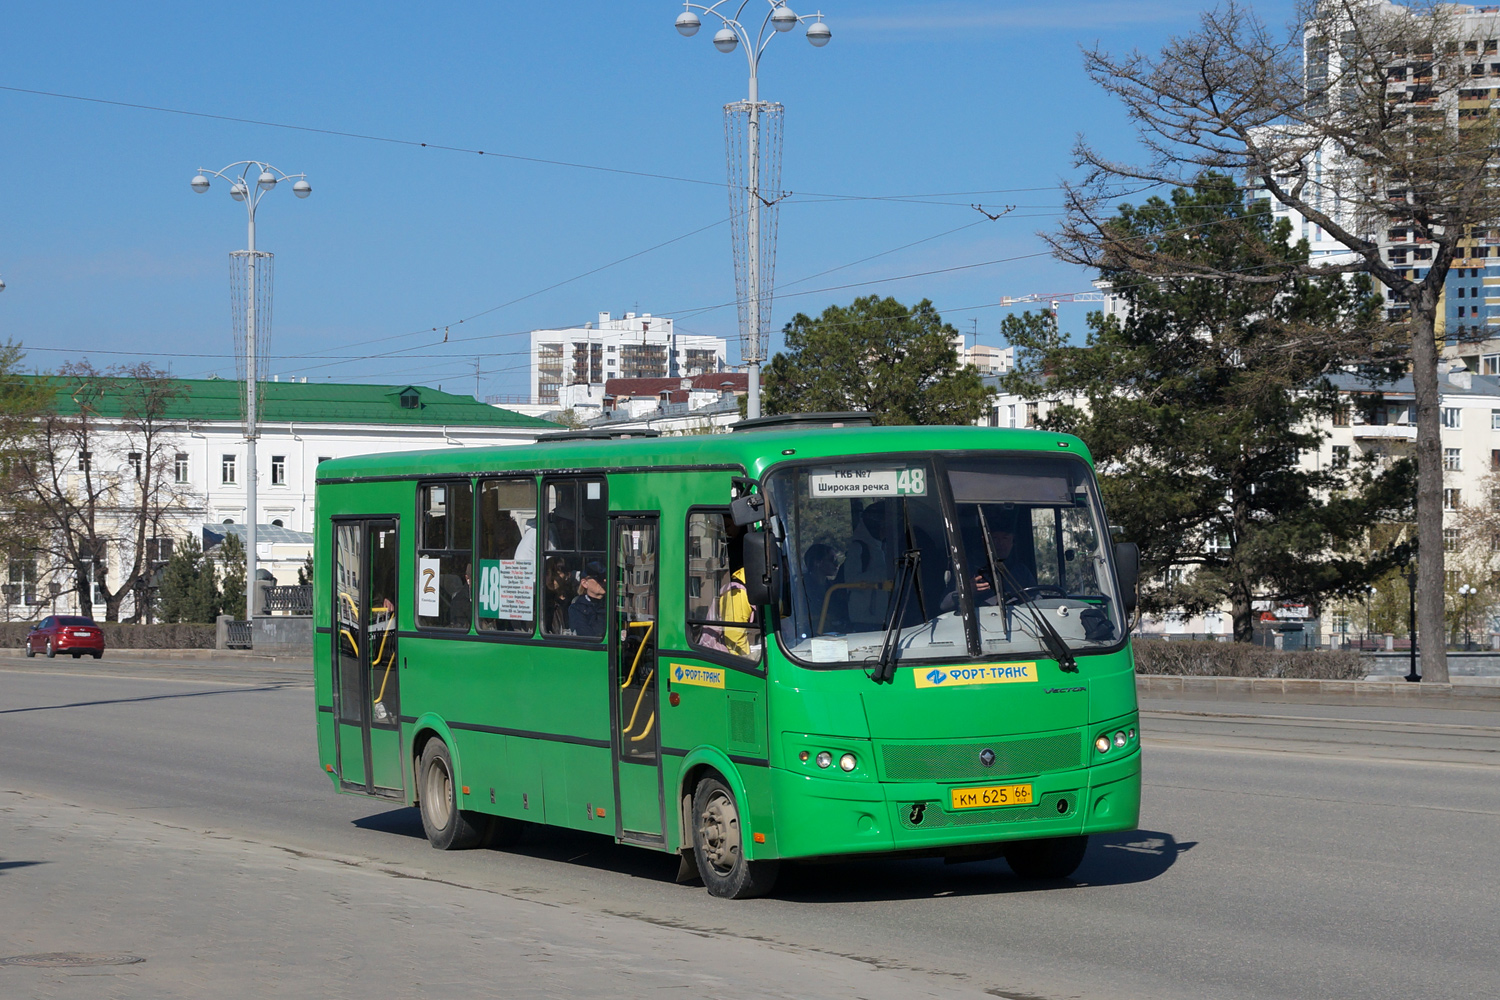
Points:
719	849
448	827
1047	859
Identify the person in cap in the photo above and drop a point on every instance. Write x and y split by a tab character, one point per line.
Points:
586	611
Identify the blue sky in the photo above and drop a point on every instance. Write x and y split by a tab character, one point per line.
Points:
105	248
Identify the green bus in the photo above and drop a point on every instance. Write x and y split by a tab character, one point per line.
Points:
810	638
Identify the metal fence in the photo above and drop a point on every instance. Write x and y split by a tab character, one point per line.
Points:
240	635
296	600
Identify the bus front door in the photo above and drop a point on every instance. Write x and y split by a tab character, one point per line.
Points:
367	690
633	681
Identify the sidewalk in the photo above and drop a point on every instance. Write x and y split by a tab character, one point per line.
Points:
1465	692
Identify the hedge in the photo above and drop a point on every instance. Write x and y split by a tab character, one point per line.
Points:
1242	659
122	636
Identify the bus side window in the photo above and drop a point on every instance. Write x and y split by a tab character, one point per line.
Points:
505	589
719	615
444	573
575	532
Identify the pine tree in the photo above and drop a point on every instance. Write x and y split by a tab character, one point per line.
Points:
1199	406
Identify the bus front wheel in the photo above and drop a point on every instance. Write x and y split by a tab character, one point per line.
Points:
1047	859
718	847
448	827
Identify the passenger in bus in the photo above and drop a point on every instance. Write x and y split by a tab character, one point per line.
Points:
586	611
460	600
819	567
558	591
869	567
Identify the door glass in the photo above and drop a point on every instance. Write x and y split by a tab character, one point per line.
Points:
380	630
346	617
635	624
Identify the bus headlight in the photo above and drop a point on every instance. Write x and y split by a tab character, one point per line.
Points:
847	762
1102	744
1120	738
824	758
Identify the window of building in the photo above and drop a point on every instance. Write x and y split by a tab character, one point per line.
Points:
506	586
180	467
443	550
1450	539
278	470
1495	420
1490	364
718	613
1452	459
134	458
158	551
226	470
574	540
1451	417
1341	417
85	461
278	522
1495	459
20	578
1452	497
409	399
1340	456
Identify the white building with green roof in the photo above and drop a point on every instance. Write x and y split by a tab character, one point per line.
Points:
203	458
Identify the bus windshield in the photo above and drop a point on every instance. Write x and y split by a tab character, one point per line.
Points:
958	556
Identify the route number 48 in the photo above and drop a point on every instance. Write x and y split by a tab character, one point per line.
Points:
911	483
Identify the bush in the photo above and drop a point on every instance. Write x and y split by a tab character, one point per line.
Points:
122	636
1243	659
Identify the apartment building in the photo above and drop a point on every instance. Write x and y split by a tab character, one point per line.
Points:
630	346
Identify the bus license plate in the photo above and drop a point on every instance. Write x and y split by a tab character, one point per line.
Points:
991	796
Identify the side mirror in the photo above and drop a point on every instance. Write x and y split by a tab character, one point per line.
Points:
1128	566
748	509
762	568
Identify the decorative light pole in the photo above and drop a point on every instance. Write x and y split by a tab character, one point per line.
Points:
1369	592
1411	628
1466	592
256	327
755	264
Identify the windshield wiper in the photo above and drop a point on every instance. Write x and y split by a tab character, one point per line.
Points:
1054	642
885	666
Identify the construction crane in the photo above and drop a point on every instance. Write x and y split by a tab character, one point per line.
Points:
1052	298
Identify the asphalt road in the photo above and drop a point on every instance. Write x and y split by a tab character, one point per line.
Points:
1286	851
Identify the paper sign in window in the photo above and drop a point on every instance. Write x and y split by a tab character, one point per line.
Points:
428	573
505	588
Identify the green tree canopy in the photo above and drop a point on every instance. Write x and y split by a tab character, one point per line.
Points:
876	355
1200	405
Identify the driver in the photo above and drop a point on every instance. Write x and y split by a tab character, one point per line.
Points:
1002	536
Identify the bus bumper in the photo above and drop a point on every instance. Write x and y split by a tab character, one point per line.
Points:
829	817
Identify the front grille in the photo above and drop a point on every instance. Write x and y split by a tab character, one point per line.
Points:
960	761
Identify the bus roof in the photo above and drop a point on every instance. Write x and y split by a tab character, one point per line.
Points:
754	451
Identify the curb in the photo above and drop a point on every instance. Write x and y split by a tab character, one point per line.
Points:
198	655
1390	692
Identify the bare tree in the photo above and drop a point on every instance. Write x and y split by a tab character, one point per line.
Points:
1358	120
99	474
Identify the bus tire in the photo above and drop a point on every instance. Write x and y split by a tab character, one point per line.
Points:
448	827
1047	859
717	847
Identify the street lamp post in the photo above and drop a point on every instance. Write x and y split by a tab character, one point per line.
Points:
240	189
733	34
1467	592
1369	592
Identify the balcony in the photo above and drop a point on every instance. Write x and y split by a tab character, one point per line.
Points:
1385	432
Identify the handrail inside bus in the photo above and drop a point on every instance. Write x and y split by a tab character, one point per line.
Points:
638	650
645	686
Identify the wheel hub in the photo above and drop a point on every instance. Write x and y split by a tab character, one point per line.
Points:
720	826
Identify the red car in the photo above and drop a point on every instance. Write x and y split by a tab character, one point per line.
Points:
65	634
